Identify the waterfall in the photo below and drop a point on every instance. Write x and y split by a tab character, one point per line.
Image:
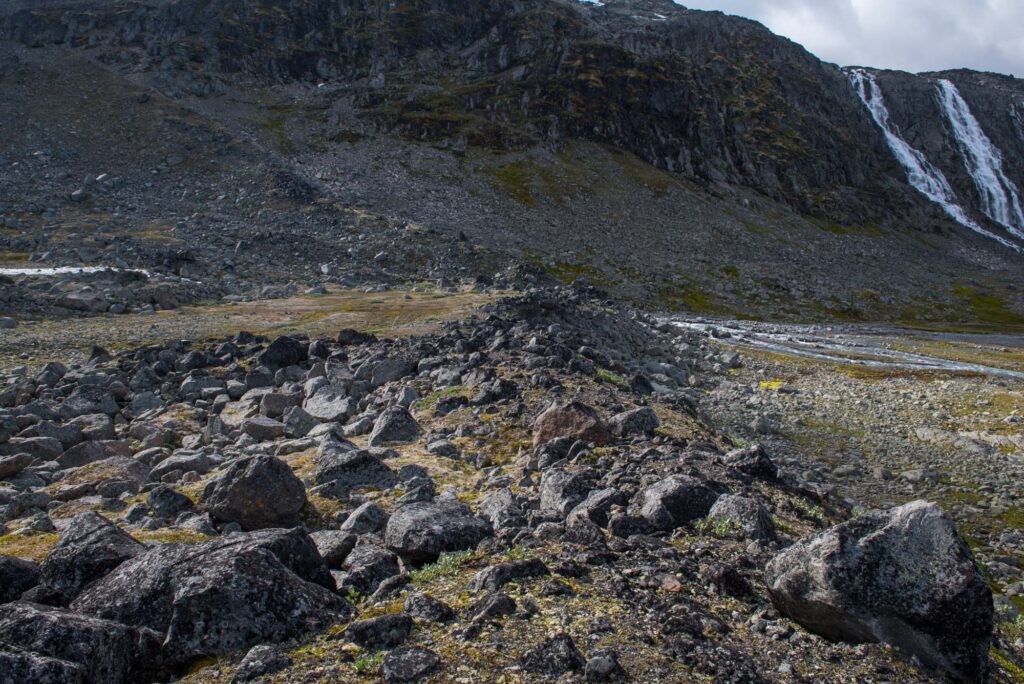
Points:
999	198
1017	115
922	175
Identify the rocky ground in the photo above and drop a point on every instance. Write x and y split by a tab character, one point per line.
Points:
553	488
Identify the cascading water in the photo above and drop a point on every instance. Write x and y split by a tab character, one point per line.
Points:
922	175
999	198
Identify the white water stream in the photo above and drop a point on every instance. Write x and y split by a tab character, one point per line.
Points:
999	197
64	270
922	175
858	347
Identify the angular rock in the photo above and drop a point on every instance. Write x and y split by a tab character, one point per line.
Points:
16	577
222	596
494	577
350	469
88	399
561	491
283	351
369	517
753	461
104	651
676	500
395	424
408	665
330	404
259	661
263	429
572	419
333	546
166	502
20	665
555	657
421	532
366	566
641	421
383	631
12	465
90	547
903	577
90	452
749	516
426	607
502	510
256	492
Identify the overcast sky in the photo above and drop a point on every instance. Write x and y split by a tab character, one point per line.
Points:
914	35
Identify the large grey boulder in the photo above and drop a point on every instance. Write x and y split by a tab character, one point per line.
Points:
283	351
14	464
561	491
256	492
571	419
345	468
365	567
903	577
676	500
21	665
330	404
98	650
90	452
421	532
641	421
89	548
221	596
395	424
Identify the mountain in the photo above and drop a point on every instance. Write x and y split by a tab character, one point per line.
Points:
682	158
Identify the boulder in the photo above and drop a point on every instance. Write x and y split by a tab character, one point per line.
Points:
572	419
348	469
41	448
283	351
553	658
380	632
16	577
333	546
395	424
674	501
560	491
86	399
369	517
12	465
420	532
494	577
751	518
330	404
256	492
903	577
259	661
90	452
366	566
641	421
103	651
166	502
222	596
89	547
408	665
20	665
502	510
753	461
263	429
426	607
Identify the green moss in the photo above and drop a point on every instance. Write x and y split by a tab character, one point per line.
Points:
987	307
429	402
447	564
605	375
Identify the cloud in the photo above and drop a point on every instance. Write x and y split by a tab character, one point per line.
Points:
914	35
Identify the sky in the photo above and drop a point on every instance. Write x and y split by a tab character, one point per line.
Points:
912	35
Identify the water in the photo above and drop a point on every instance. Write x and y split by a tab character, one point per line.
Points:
922	175
865	347
63	270
999	198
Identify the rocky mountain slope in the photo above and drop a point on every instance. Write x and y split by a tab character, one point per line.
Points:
765	184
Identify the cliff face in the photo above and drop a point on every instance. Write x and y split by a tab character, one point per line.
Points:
715	98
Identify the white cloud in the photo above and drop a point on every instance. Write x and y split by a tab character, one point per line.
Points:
915	35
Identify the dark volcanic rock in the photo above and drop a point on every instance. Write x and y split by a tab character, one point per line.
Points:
16	576
676	500
217	597
555	657
408	665
753	461
87	550
259	661
105	651
494	577
366	567
904	577
347	469
284	351
420	532
256	492
383	631
641	421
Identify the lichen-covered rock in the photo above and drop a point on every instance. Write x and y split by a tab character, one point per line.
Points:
346	469
753	461
554	657
641	421
751	518
903	577
408	665
256	492
396	425
422	531
104	651
366	567
221	596
89	548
